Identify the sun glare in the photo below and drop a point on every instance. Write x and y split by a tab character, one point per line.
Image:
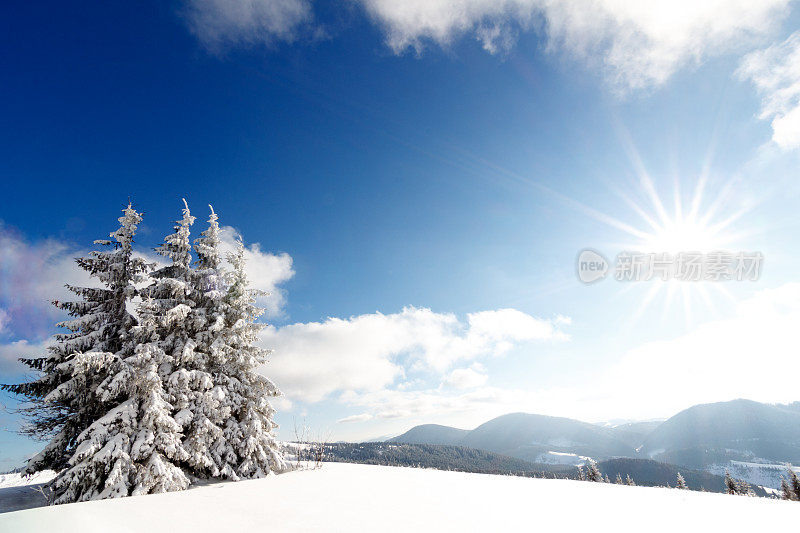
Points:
684	236
698	226
700	229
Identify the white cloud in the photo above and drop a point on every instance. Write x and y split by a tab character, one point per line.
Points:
219	24
638	44
752	355
466	378
11	352
264	270
775	72
32	275
355	418
368	352
462	409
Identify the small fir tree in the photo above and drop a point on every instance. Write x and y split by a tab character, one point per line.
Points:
593	472
730	484
794	484
786	490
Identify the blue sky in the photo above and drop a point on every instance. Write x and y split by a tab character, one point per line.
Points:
415	181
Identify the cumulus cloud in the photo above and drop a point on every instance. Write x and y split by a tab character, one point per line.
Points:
775	72
32	274
638	44
466	378
10	354
219	24
355	418
265	270
369	352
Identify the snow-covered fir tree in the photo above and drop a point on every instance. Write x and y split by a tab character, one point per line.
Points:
188	384
209	290
731	486
249	430
629	480
790	489
619	481
65	399
786	490
737	486
593	472
680	483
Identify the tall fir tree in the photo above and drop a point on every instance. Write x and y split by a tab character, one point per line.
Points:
64	400
209	293
188	385
680	483
249	430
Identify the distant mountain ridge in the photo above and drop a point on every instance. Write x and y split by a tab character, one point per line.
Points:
431	434
530	436
698	437
525	436
715	433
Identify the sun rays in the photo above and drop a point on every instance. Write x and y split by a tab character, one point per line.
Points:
705	221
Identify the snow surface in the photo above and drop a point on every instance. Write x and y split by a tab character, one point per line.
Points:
351	497
18	480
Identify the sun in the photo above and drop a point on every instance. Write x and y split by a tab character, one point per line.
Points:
684	235
690	227
680	227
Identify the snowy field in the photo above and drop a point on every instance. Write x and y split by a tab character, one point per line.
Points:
350	497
